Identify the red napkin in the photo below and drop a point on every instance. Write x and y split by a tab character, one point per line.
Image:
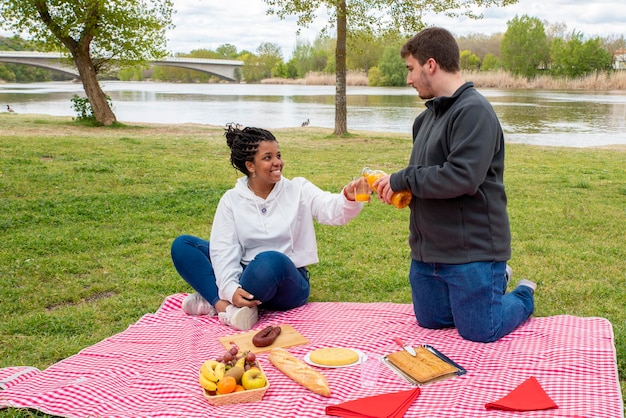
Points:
388	405
529	396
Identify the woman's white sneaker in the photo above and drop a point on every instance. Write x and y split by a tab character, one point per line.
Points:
242	318
195	304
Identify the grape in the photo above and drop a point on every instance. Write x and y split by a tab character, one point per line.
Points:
228	357
234	351
250	357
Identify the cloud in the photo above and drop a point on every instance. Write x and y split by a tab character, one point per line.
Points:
207	24
602	18
202	24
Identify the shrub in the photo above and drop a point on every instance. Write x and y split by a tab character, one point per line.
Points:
82	107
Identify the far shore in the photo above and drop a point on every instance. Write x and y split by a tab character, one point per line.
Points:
605	81
498	79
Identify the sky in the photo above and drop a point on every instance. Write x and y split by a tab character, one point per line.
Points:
245	24
207	24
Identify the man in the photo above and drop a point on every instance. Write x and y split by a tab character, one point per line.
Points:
459	231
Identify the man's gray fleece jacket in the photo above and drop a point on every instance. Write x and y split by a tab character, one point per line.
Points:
455	172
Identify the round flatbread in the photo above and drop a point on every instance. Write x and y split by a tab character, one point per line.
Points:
334	356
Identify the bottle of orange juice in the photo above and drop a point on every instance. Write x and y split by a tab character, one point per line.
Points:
399	199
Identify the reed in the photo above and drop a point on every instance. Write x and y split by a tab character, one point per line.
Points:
353	78
606	81
615	80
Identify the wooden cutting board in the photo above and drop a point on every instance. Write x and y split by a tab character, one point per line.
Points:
288	337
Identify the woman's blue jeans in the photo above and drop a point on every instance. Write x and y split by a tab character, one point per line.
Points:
470	297
271	277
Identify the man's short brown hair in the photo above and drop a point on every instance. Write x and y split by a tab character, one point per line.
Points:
436	43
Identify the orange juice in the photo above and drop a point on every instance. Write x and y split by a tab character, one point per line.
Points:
372	176
362	197
399	199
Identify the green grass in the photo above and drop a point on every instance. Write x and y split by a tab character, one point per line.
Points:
88	214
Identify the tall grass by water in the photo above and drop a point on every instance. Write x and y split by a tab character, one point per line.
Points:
88	216
489	79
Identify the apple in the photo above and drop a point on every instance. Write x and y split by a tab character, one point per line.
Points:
253	379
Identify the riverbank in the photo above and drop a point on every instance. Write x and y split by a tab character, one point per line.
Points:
89	215
497	79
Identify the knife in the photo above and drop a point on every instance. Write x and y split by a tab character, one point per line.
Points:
408	348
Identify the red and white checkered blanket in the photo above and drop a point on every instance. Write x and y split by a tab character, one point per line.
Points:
151	368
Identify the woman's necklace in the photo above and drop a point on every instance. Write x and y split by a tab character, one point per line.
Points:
261	195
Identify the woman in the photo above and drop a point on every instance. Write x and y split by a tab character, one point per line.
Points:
262	238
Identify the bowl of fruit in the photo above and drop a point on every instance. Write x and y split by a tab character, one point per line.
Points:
236	377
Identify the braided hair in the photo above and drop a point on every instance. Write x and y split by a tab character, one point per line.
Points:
244	143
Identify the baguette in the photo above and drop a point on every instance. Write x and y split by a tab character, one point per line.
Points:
298	371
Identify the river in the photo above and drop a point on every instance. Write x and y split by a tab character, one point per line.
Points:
537	117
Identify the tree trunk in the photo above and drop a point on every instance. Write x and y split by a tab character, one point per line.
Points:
98	100
341	112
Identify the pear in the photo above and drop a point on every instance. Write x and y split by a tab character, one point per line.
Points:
241	362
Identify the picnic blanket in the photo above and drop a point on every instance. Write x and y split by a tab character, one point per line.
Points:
151	368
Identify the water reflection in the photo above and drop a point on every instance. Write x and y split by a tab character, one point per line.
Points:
562	118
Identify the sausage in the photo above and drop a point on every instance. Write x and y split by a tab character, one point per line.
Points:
266	336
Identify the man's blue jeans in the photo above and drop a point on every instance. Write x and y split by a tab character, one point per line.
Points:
271	277
470	297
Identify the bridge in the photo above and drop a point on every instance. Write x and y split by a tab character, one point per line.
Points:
224	69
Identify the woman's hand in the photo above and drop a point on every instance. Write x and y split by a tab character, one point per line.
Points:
243	298
349	189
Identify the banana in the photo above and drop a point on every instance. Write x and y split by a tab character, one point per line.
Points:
219	370
207	384
211	363
206	371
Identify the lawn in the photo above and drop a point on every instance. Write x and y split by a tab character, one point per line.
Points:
88	215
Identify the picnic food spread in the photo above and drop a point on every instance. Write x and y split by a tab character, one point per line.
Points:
298	371
334	356
238	372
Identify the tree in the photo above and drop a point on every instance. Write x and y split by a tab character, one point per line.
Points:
94	33
370	15
392	67
480	44
270	56
524	46
490	63
469	61
363	50
575	58
302	57
227	51
374	77
614	42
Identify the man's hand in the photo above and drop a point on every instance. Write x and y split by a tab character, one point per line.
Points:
383	189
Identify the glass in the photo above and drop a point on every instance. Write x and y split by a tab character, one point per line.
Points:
370	369
399	199
362	190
